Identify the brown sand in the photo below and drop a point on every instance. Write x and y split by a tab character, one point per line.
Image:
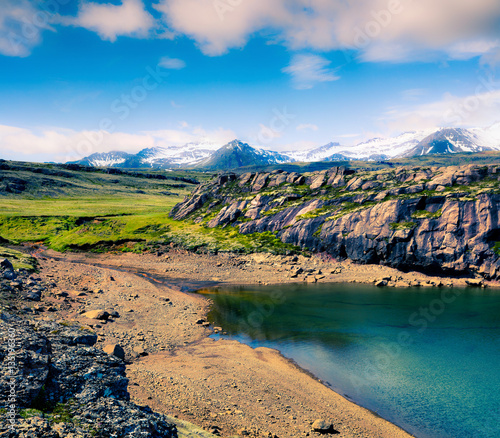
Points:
242	391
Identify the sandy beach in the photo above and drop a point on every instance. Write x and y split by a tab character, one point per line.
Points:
222	386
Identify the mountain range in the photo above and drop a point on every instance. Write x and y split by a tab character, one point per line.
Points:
211	156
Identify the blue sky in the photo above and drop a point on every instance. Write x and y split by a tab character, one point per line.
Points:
78	77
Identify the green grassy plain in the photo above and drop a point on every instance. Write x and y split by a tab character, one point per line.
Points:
95	211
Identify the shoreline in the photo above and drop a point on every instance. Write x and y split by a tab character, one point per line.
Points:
192	348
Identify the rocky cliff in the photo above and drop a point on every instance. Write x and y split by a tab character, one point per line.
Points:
432	219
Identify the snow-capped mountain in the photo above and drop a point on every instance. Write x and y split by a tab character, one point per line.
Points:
386	148
105	159
409	144
488	137
238	154
312	155
189	154
157	157
373	149
452	141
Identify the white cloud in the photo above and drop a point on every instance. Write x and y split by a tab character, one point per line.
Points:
218	25
21	26
59	144
381	30
378	30
64	144
111	21
308	70
306	127
477	110
172	63
492	58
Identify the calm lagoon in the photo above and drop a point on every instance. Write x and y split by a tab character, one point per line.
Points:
427	360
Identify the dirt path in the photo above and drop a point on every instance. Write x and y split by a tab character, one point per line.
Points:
223	386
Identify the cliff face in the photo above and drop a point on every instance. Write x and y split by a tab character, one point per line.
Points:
444	219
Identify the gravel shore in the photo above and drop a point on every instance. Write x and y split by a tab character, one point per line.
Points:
225	387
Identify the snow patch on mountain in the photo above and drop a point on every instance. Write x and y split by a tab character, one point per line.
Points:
408	144
189	154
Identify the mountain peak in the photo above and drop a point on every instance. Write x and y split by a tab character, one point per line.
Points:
236	153
235	143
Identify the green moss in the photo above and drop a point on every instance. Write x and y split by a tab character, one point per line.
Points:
424	214
318	212
28	413
19	259
350	207
62	413
317	233
496	248
403	225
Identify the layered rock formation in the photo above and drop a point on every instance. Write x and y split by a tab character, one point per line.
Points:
439	219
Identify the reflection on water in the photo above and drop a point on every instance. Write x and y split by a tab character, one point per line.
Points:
427	360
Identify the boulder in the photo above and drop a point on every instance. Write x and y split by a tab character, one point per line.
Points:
97	314
323	427
259	181
6	264
139	351
317	181
115	350
88	384
475	282
245	179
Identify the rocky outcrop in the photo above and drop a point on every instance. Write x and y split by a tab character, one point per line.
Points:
54	383
444	219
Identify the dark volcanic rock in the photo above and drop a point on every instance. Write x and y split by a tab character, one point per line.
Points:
25	361
50	366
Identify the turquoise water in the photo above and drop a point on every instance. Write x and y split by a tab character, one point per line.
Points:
426	360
